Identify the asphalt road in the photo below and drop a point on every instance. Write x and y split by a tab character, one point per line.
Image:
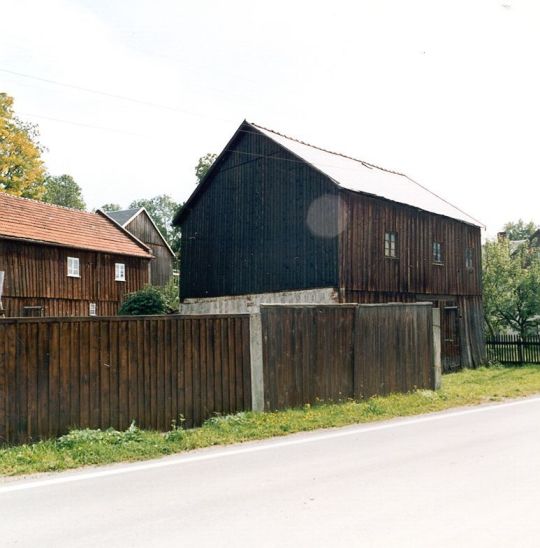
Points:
463	478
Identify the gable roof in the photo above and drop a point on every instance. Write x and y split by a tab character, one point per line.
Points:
352	174
29	220
125	216
122	216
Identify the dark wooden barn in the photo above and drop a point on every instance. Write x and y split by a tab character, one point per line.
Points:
139	223
56	261
274	215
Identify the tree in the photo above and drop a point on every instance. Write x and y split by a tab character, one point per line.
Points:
64	191
148	300
511	288
21	168
110	207
162	210
520	230
202	167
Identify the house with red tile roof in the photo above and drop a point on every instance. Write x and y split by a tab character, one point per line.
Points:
56	261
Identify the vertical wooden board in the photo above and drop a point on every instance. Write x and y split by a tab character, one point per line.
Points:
203	355
53	395
12	378
196	371
160	371
167	348
231	355
94	371
114	375
246	365
123	375
84	375
306	357
132	363
225	405
42	360
218	367
173	365
104	376
3	386
32	369
74	374
180	369
238	365
210	367
188	373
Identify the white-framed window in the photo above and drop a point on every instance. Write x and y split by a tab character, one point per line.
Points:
92	309
73	267
469	264
120	272
390	244
437	253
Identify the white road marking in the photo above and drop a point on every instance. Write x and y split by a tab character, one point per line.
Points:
264	446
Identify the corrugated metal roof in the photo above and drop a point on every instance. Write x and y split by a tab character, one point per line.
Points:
24	219
122	216
364	177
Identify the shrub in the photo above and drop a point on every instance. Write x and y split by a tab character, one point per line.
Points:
145	301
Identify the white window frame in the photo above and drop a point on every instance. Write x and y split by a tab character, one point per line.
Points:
119	272
390	244
92	309
73	267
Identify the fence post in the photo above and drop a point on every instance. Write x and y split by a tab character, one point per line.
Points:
256	357
437	366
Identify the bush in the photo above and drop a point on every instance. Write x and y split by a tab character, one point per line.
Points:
145	301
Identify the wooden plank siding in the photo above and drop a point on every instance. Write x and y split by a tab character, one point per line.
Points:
335	352
36	275
161	268
248	232
62	373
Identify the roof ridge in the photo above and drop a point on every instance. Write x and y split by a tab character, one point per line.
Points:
4	193
364	163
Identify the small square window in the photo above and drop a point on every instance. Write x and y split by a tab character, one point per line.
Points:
437	253
469	258
390	244
120	272
73	267
92	309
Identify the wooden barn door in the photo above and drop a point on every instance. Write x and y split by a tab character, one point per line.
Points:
450	343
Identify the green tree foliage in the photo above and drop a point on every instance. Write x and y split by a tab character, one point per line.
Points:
21	168
162	210
520	230
64	191
203	165
511	287
110	207
146	301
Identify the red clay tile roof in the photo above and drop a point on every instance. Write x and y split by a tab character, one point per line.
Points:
24	219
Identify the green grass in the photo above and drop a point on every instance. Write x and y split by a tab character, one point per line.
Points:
94	447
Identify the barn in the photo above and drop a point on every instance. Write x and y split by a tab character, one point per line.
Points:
278	220
56	261
137	221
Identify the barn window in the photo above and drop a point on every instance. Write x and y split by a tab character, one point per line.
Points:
120	272
92	309
73	267
469	258
437	253
390	244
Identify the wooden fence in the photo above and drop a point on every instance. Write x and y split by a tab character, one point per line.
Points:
57	373
514	349
334	352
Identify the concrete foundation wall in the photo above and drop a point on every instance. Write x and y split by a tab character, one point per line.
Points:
250	304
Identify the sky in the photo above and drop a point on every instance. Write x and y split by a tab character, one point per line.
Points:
129	94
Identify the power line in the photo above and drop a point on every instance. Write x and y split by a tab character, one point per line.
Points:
110	95
82	124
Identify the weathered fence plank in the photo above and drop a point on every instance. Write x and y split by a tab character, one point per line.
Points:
61	373
335	352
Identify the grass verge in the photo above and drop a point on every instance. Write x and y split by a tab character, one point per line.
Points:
94	447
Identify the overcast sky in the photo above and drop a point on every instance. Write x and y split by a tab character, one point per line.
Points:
446	91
